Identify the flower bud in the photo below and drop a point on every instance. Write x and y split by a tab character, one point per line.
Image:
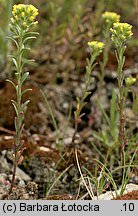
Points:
111	17
96	47
24	16
121	32
130	81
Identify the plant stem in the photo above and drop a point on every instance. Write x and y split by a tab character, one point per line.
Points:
13	176
75	132
19	115
20	26
81	102
105	55
121	102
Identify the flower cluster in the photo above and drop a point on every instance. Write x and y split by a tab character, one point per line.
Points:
121	32
130	81
96	47
24	16
111	17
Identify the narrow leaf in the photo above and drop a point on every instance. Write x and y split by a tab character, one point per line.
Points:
15	105
30	34
25	105
10	38
29	38
15	62
16	124
27	62
24	77
87	94
25	91
18	29
11	82
17	88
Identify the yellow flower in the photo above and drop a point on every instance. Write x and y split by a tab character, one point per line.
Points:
35	23
31	18
32	10
35	13
25	10
111	17
13	13
15	8
96	47
12	20
121	32
16	17
32	7
130	81
25	14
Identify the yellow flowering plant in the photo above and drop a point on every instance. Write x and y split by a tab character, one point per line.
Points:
109	18
21	25
96	48
121	33
24	16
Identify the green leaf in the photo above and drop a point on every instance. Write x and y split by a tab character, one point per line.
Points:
25	61
87	94
25	91
16	36
11	83
12	39
15	62
126	174
107	173
29	34
23	50
18	29
16	124
123	61
24	77
29	38
25	105
78	99
17	88
116	54
34	33
88	61
15	105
